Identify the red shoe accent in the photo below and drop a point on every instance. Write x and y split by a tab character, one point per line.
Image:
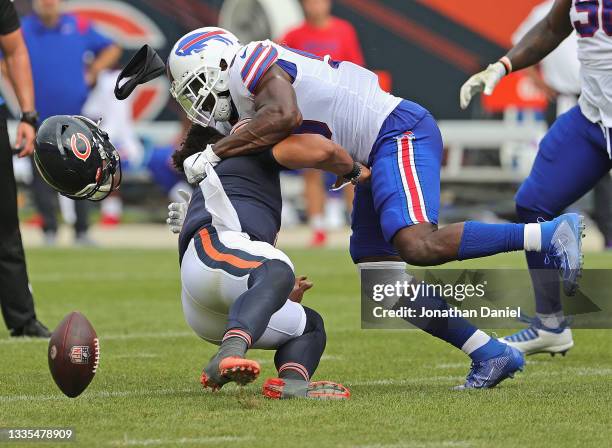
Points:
110	221
240	370
319	238
35	221
273	388
208	384
344	395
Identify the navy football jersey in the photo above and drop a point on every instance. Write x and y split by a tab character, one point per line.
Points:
252	184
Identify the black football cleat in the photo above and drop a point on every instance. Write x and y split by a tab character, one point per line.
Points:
32	329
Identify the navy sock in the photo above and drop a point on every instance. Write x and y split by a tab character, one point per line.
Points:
544	278
481	240
298	358
454	330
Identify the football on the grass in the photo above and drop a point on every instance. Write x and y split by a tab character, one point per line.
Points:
74	354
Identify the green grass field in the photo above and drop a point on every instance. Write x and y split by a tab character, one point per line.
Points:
146	392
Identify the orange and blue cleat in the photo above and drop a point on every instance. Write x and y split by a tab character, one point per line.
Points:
232	369
284	388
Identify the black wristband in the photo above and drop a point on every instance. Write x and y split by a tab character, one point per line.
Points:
354	174
30	118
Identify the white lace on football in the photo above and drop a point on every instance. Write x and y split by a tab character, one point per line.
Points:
96	354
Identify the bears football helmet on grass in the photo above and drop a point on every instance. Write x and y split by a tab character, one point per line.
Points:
76	158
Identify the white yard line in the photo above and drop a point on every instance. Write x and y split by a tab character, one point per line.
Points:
181	441
415	444
452	365
134	356
116	337
96	276
112	337
149	335
576	371
103	394
406	381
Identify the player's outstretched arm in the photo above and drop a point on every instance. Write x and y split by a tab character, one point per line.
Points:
277	115
543	37
315	151
535	46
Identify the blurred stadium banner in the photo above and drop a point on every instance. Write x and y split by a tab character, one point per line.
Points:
427	47
516	90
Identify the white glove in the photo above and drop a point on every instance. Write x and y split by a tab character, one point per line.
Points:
195	165
177	211
484	81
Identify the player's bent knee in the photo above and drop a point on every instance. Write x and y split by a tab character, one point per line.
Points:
314	323
415	246
276	274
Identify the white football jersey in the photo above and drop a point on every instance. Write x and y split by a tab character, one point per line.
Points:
341	101
592	21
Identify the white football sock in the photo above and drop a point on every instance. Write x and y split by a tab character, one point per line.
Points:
533	237
477	340
552	321
395	265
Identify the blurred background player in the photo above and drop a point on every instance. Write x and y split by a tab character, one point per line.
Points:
67	56
162	169
15	294
323	34
574	155
118	122
558	76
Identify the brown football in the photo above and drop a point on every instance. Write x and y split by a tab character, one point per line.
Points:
74	354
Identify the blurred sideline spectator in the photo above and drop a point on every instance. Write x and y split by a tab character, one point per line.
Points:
558	76
59	45
15	295
162	169
118	122
323	34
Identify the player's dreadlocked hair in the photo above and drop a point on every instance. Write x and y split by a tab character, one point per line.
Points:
196	140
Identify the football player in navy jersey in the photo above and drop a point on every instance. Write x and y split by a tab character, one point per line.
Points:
238	290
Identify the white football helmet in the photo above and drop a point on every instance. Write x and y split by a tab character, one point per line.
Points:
198	68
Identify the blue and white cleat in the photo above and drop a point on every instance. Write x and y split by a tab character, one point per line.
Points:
489	373
538	338
562	242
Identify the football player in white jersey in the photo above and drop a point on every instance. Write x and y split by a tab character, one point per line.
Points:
285	91
575	153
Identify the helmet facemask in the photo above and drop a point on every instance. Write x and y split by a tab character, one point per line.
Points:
204	95
109	175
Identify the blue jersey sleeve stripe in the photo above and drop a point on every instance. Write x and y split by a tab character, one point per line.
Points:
314	127
249	63
263	68
304	53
